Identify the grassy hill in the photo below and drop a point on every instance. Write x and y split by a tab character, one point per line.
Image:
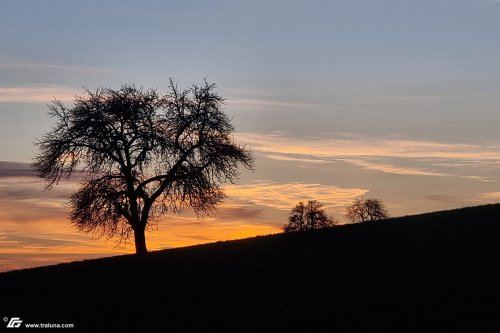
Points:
418	273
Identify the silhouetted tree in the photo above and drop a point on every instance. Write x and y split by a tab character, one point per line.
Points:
308	216
363	210
141	154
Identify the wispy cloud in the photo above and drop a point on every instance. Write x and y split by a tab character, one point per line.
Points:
283	196
491	195
259	104
389	168
15	169
288	158
449	199
22	64
393	155
247	99
355	146
18	64
37	94
35	81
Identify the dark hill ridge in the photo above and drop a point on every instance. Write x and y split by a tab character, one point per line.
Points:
417	273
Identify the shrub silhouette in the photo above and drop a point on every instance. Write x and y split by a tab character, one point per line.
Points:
141	154
308	216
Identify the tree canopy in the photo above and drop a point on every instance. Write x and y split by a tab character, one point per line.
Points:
365	210
140	154
310	215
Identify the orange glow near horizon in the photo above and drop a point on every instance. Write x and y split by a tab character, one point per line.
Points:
35	231
49	240
55	241
34	228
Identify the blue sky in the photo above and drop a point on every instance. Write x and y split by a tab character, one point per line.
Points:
400	66
393	99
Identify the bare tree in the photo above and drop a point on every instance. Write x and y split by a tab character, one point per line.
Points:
308	216
141	154
363	210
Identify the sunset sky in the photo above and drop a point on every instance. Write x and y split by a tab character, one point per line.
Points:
397	100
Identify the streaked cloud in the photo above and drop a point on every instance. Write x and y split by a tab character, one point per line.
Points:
450	199
39	81
231	212
388	168
259	104
12	240
283	196
491	195
282	157
37	94
391	155
30	65
15	169
355	146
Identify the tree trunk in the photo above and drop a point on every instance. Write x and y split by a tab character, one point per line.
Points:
140	241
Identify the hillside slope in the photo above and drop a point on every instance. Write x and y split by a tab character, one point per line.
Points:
407	274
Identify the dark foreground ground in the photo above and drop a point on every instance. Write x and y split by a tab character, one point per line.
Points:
434	272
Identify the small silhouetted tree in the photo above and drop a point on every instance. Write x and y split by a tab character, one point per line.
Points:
365	210
308	216
140	154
